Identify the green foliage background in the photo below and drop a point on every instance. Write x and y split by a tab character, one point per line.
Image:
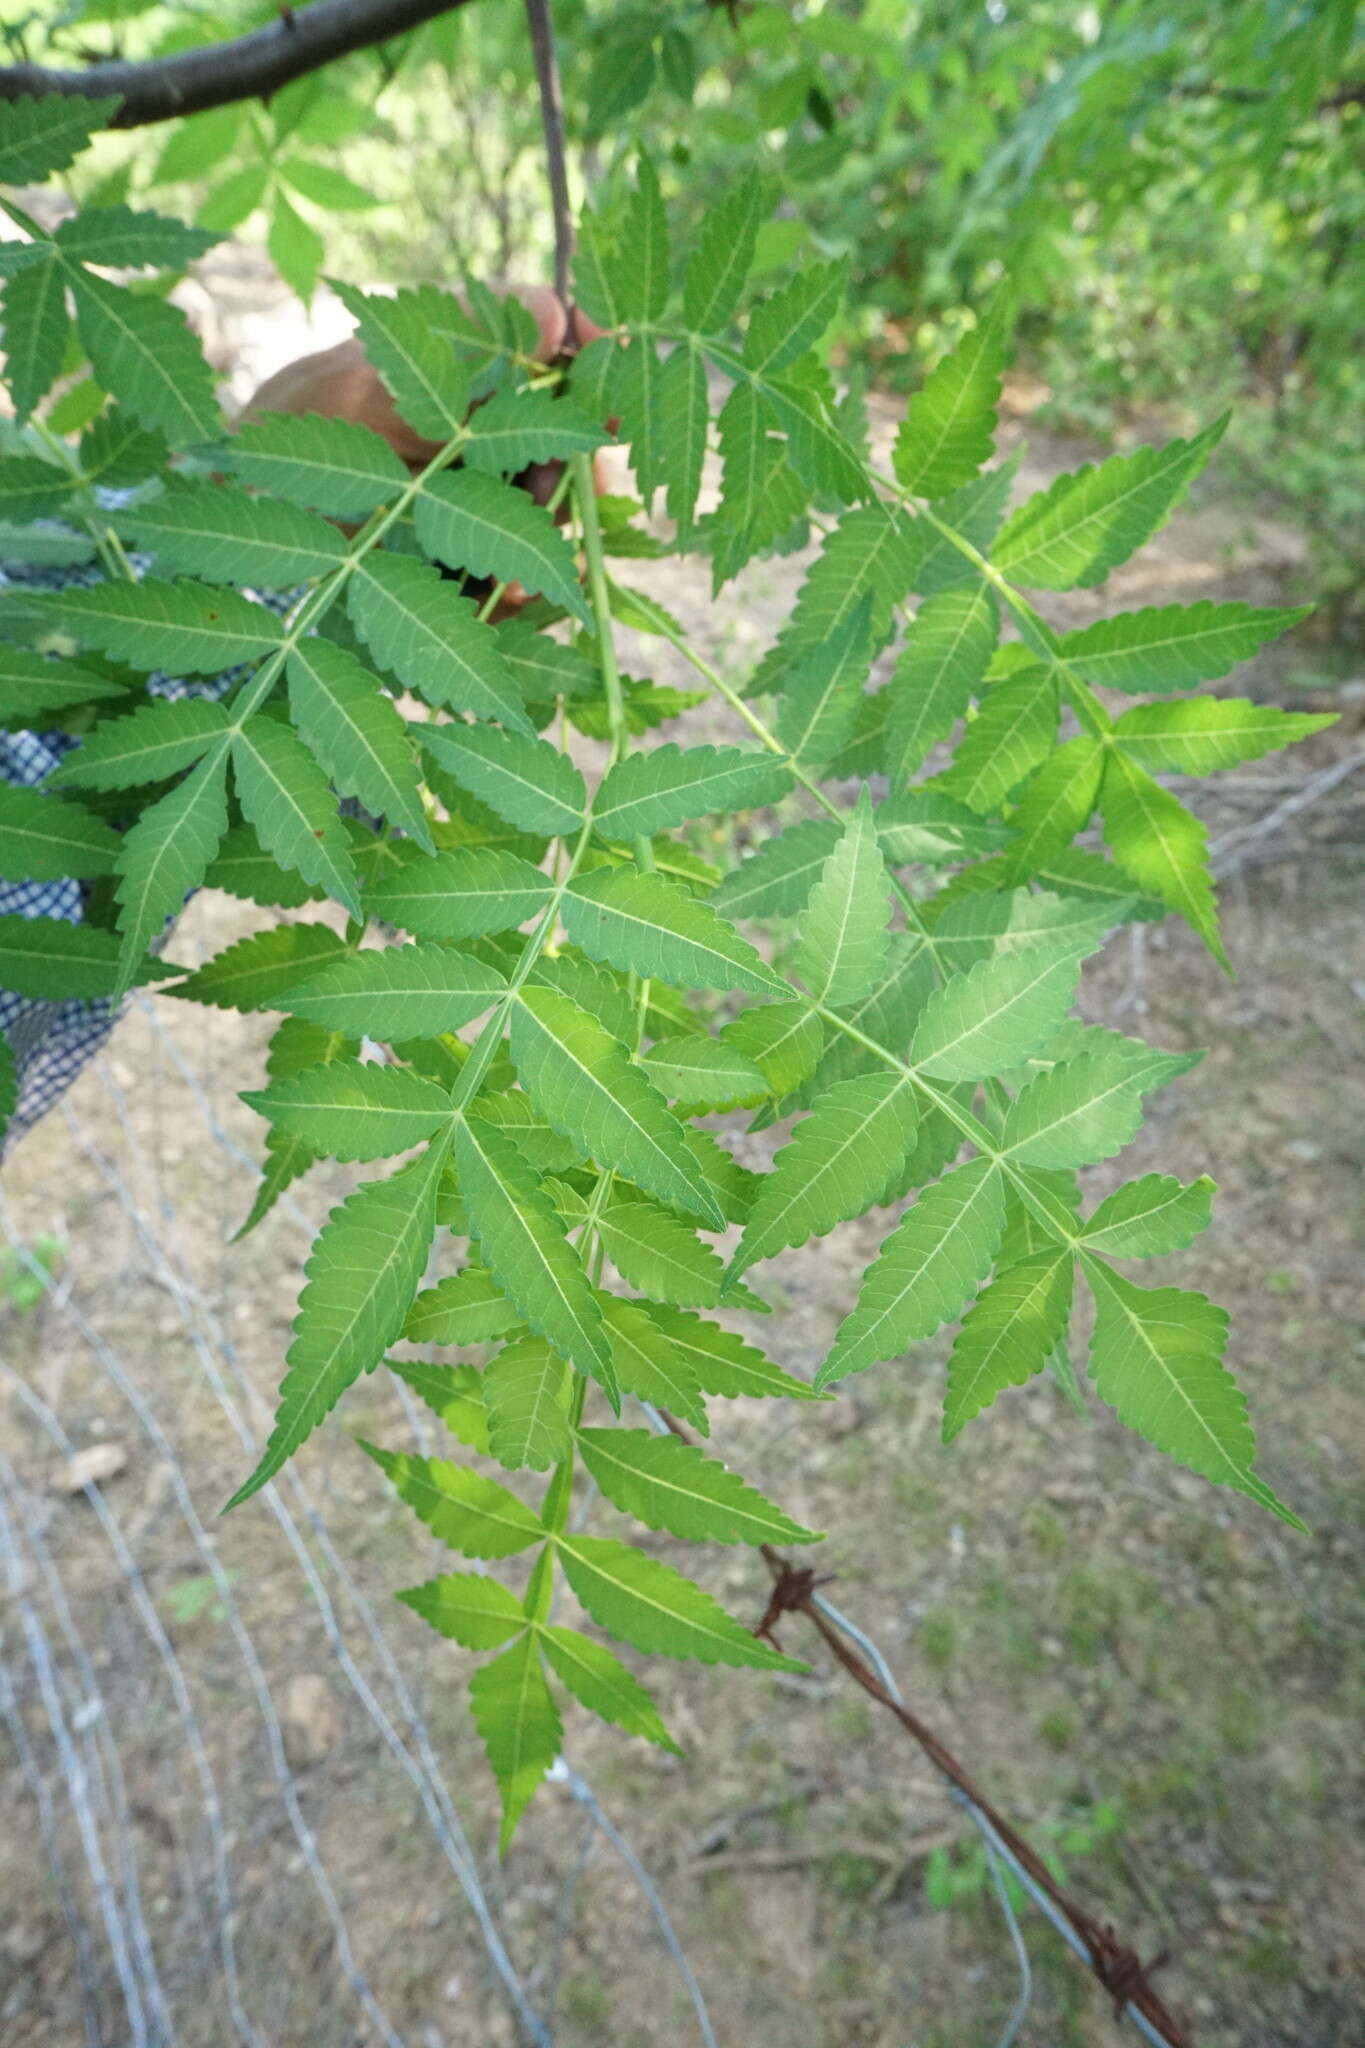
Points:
1176	188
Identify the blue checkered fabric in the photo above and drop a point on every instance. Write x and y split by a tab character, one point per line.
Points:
52	1042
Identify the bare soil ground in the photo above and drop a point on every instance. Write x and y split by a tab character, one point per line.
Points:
1159	1682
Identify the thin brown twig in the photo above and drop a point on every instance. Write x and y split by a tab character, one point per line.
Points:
1229	850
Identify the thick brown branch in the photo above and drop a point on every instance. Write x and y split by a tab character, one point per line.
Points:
251	67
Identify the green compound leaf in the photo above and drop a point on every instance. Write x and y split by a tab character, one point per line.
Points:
526	781
940	670
595	989
658	1254
399	993
296	248
645	1603
351	1109
649	793
642	258
713	281
594	274
119	238
228	536
586	1085
988	922
933	1260
364	1269
824	691
467	1608
783	1040
115	450
702	1075
338	466
30	489
972	513
1148	1217
671	1485
989	1019
545	669
724	1364
1081	1111
151	743
734	1185
846	1156
751	514
426	381
1009	1334
1012	734
454	1394
632	393
644	924
887	1013
649	1365
43	838
464	894
522	1242
287	799
36	329
33	689
142	350
479	523
777	878
416	624
526	1392
1174	647
874	551
1085	524
183	628
949	431
1156	1357
600	1682
1147	1065
680	443
815	447
1161	845
45	135
1056	805
1199	735
165	856
1074	872
843	936
464	1308
466	1510
512	1111
517	1718
792	319
517	428
253	973
356	734
59	962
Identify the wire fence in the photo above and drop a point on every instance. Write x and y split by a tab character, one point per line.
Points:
142	1976
159	1933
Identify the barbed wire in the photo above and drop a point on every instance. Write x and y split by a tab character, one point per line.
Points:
1115	1965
